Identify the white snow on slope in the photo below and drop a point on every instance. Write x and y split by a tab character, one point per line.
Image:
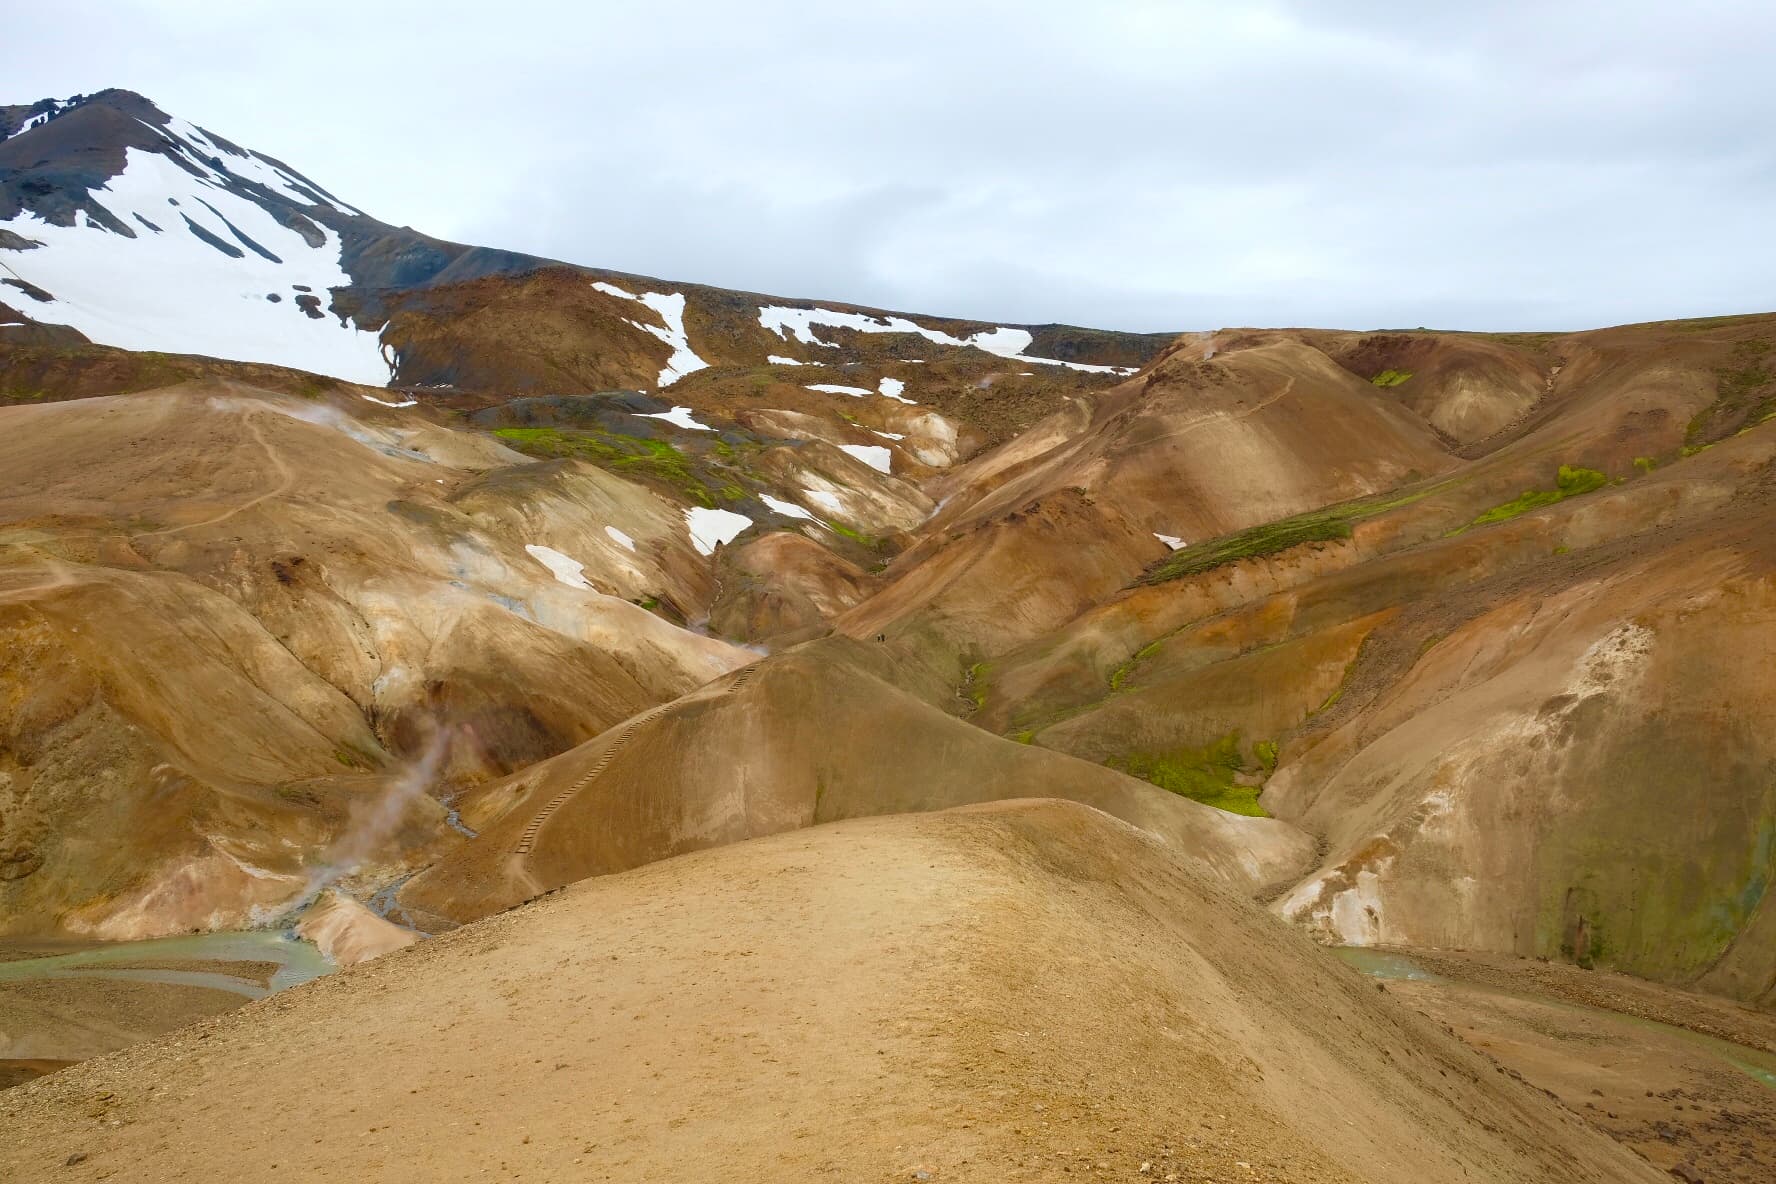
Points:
170	291
1003	342
856	392
777	361
55	108
827	501
876	456
896	436
622	539
247	166
671	310
892	388
1170	540
565	570
388	403
709	527
680	417
787	509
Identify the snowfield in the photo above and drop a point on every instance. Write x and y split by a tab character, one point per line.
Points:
711	527
876	456
893	388
169	290
621	538
680	417
1170	540
671	309
828	388
565	570
1003	342
249	166
787	509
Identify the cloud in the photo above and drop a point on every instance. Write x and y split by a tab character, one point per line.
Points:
1142	165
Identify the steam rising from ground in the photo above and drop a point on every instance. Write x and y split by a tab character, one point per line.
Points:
322	415
376	819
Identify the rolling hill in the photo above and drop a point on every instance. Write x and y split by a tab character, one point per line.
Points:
824	738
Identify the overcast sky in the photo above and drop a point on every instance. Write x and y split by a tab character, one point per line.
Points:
1135	165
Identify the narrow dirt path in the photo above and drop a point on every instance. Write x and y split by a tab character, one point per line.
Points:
286	481
1209	417
59	578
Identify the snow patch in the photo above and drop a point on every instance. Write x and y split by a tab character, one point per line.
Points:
680	417
826	501
827	388
1170	540
777	361
892	388
787	509
876	456
621	539
565	570
712	527
670	307
387	403
888	435
248	166
1002	342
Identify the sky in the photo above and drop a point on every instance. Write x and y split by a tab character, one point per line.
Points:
1128	164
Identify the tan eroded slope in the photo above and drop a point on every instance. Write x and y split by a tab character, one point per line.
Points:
1002	993
231	617
806	737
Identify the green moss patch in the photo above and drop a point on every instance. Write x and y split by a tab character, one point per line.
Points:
856	536
1391	377
1120	675
1205	775
626	455
974	685
1323	525
1570	481
1744	394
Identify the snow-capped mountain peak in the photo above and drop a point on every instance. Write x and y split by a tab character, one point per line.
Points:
171	238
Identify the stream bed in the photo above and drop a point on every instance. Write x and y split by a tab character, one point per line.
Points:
156	961
1388	964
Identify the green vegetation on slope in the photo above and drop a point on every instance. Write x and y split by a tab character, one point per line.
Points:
1121	673
628	455
1744	394
1391	377
857	536
974	686
1570	481
1614	892
1270	538
1205	775
1266	752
